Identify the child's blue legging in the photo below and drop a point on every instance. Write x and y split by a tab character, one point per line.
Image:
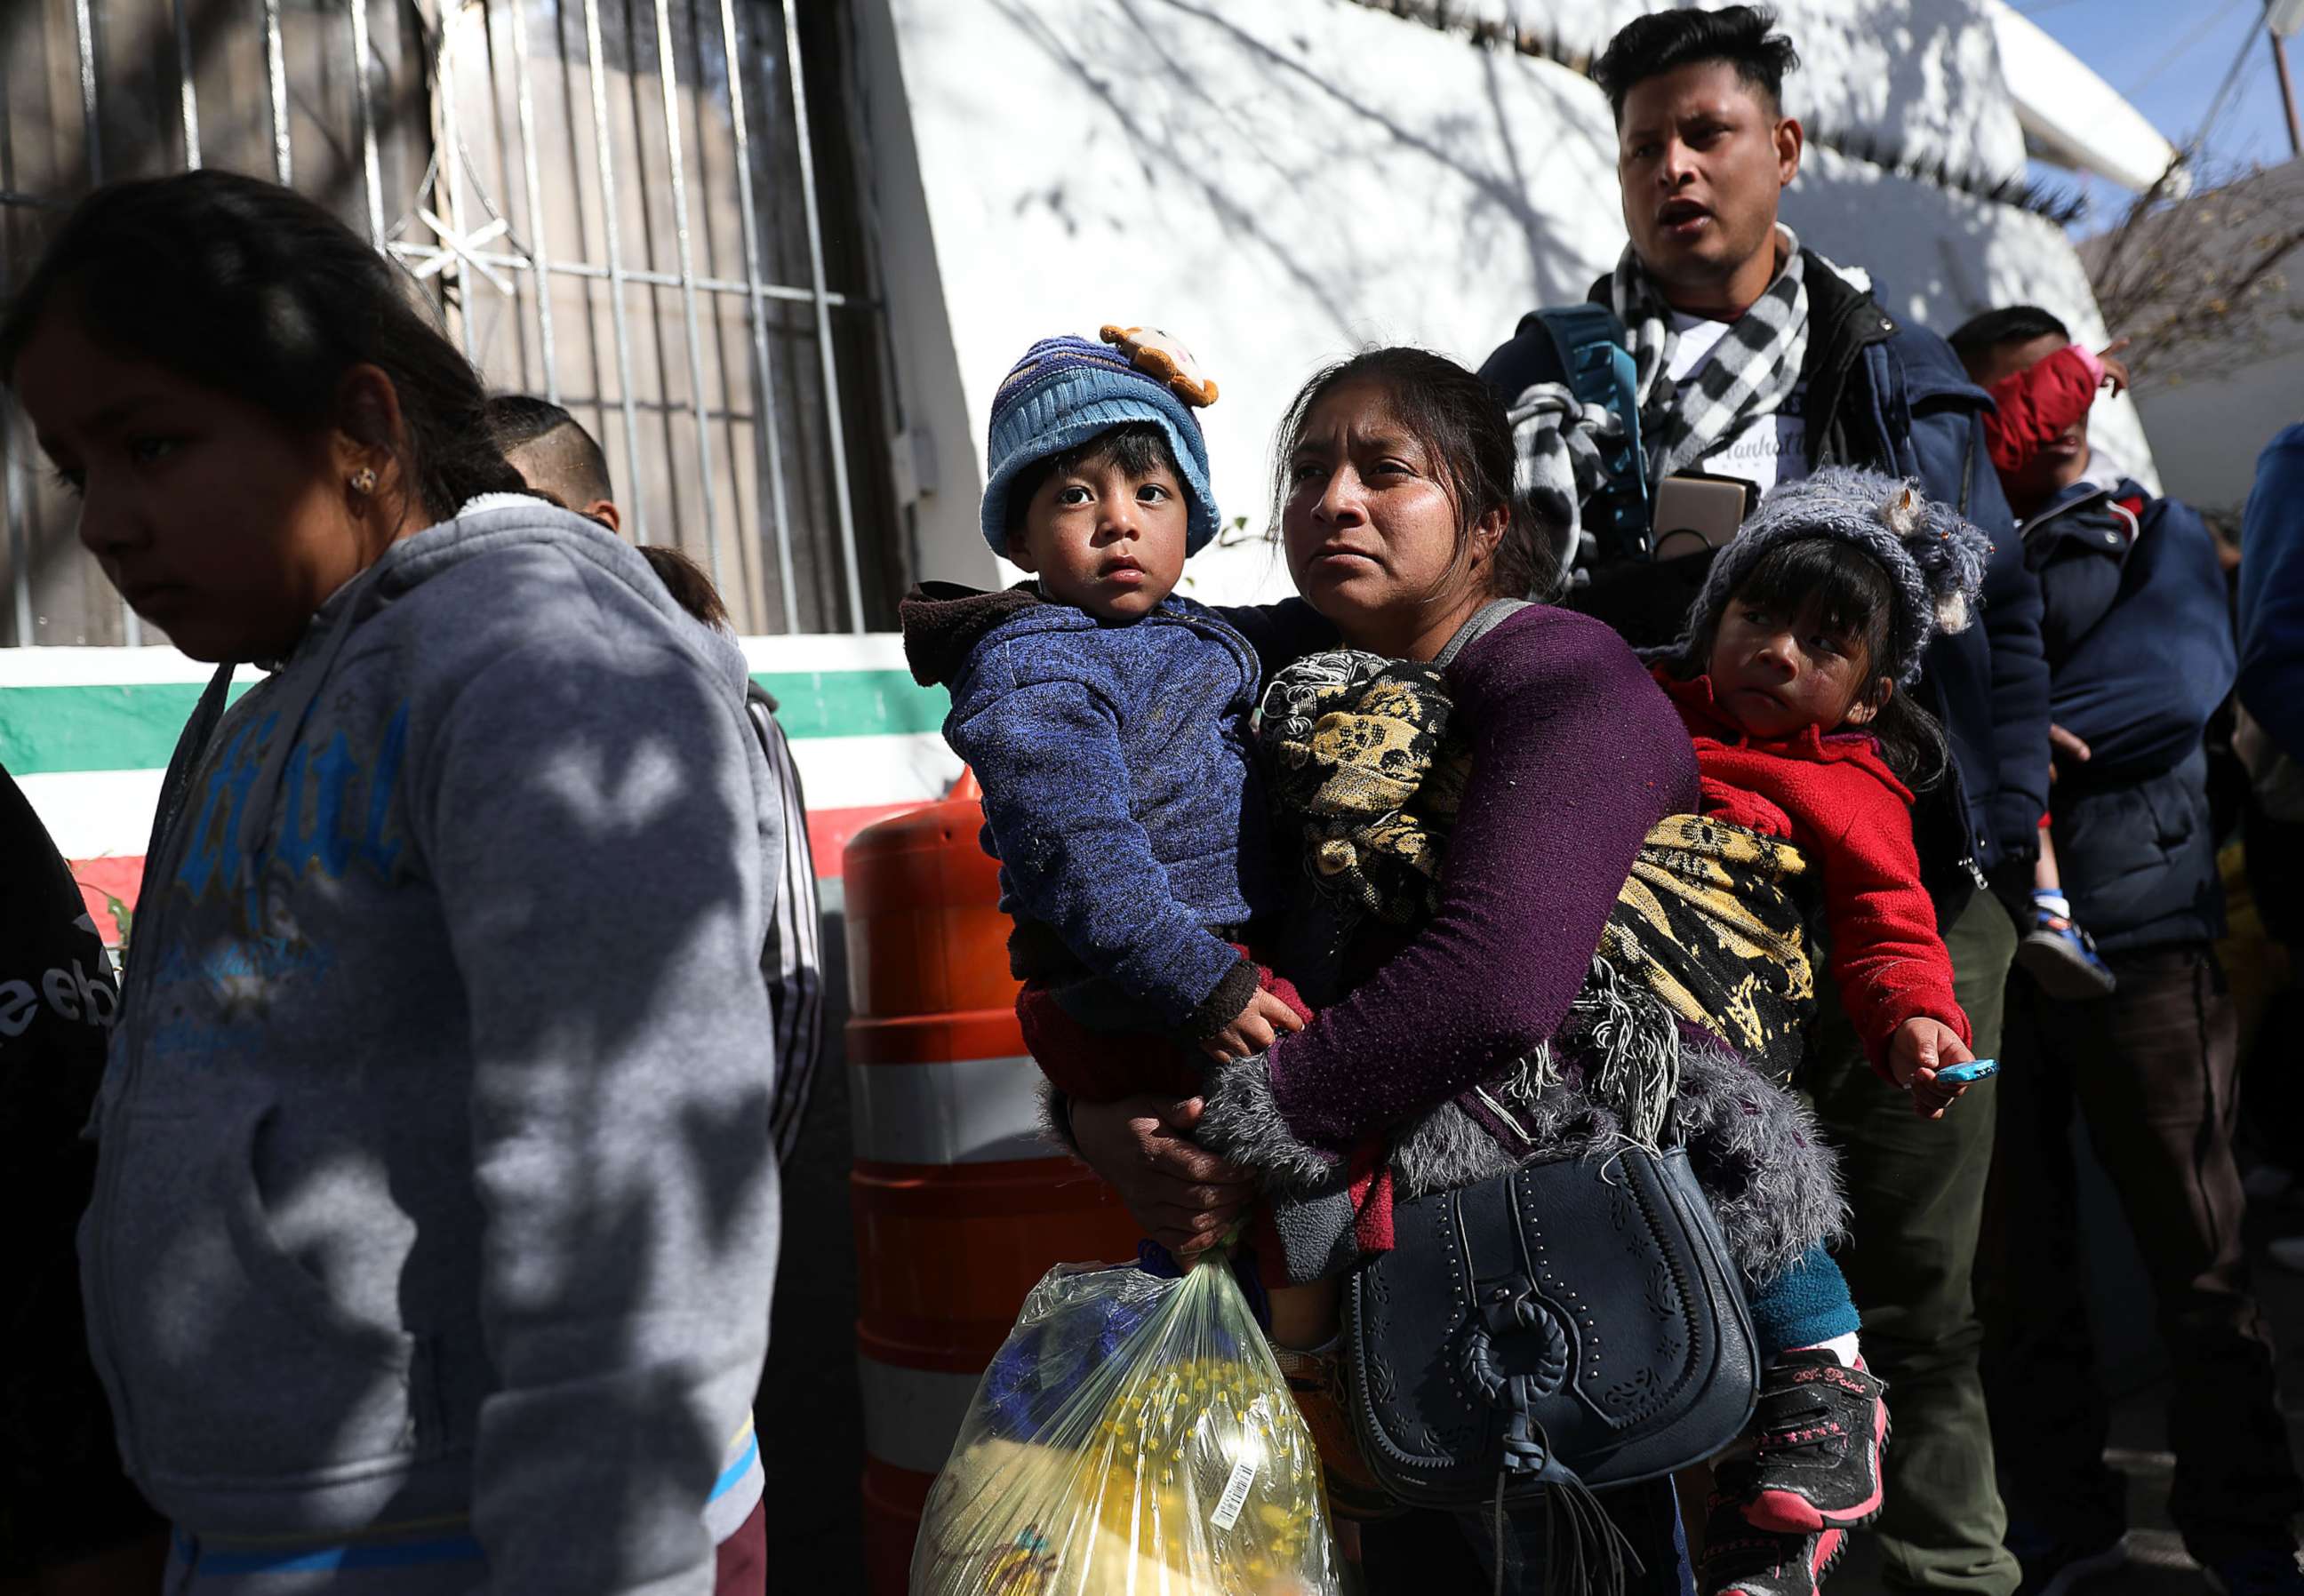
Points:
1807	1304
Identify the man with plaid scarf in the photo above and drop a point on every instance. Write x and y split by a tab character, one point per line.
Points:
1758	359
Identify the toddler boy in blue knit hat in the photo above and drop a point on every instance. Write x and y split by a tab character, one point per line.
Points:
1107	719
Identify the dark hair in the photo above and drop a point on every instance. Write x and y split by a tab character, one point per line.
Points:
1829	586
1133	448
520	421
686	581
1979	336
1460	423
1664	41
250	289
570	452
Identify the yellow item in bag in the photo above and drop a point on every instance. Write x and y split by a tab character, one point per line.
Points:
1134	1437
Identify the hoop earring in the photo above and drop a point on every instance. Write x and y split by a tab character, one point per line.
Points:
363	481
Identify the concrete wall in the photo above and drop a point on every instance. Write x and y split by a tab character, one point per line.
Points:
2208	434
1280	184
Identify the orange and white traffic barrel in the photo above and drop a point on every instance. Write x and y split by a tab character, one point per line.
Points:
960	1206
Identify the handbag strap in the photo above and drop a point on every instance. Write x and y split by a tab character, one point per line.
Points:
1584	1548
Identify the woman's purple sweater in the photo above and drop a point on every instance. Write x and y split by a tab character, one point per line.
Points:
1576	754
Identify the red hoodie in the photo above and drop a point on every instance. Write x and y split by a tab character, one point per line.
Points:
2034	407
1834	798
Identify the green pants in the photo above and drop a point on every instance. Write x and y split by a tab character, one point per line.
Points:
1916	1191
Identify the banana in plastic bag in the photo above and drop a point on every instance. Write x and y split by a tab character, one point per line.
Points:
1134	1437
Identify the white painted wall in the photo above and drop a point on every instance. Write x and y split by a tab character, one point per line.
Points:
1923	72
1282	182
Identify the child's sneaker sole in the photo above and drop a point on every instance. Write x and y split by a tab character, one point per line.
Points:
2062	970
1822	1559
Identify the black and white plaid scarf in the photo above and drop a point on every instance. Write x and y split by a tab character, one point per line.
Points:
1750	373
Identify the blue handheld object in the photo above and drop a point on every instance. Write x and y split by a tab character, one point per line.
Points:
1961	1074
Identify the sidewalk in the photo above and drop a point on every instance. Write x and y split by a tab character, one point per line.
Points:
2156	1563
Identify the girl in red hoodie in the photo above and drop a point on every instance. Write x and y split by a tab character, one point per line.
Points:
1791	682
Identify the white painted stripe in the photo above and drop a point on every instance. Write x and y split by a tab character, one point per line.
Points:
130	667
849	772
105	667
91	814
94	813
870	651
912	1416
970	1111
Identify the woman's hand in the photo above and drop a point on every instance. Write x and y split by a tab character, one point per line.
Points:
1920	1048
1184	1197
1255	1029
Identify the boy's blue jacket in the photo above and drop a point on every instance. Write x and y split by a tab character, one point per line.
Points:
2139	634
1895	398
2272	593
1119	791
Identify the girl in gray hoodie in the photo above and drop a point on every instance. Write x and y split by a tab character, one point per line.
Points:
435	1211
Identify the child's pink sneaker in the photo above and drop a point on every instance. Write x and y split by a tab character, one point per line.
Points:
1819	1430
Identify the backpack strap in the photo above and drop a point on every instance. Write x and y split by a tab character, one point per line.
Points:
1593	356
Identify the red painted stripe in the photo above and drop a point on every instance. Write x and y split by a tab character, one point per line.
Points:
101	881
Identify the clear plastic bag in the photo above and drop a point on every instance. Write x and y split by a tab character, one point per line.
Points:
1134	1437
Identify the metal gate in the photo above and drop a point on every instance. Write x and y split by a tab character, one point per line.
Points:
647	210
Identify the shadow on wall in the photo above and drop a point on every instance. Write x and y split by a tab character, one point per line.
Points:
1186	123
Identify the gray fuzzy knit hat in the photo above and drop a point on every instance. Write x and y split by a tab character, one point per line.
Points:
1934	560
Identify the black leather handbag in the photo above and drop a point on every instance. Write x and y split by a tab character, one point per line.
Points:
1574	1323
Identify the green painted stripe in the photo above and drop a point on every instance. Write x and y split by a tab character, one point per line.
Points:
853	703
49	730
46	730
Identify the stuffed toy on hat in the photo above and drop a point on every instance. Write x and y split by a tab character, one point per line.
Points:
1934	560
1148	348
1067	390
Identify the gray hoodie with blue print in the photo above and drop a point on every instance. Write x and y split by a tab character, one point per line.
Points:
436	1214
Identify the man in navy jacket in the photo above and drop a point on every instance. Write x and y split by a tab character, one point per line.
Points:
2139	647
2271	595
1704	154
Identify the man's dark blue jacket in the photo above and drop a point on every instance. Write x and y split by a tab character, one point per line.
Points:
2138	636
2272	593
1894	399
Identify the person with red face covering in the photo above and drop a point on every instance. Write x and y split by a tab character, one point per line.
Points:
2042	386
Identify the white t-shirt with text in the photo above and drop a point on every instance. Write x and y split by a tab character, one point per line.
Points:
1764	451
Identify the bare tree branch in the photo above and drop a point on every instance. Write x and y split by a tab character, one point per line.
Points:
2197	282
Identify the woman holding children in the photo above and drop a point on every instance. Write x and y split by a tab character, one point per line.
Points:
1401	528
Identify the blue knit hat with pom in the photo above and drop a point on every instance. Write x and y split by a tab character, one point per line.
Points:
1064	392
1934	560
